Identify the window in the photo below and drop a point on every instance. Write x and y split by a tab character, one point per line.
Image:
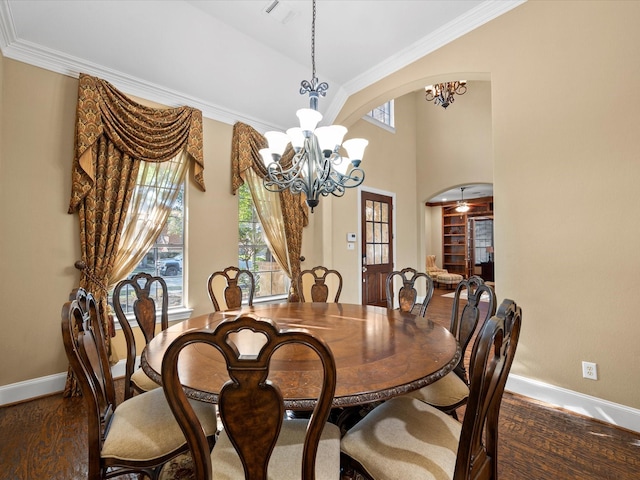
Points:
253	251
377	228
164	258
383	114
483	240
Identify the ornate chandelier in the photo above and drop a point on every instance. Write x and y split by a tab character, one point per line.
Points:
317	167
442	93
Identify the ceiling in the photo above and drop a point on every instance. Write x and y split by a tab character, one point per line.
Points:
471	191
230	58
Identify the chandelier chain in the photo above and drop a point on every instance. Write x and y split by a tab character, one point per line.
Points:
313	42
317	168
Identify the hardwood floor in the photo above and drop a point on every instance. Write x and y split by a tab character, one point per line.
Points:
46	438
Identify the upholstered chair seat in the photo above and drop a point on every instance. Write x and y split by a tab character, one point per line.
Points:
138	435
406	438
144	428
449	390
452	391
141	382
286	458
418	441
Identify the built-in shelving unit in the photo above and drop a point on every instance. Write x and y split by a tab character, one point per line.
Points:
457	238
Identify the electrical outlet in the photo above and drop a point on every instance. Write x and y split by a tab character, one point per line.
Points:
590	370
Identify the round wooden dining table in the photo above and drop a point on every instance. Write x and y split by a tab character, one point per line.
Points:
379	353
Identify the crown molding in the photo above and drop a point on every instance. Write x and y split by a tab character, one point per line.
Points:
483	13
49	59
55	61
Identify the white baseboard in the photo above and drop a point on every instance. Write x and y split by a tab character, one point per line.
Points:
596	408
38	387
603	410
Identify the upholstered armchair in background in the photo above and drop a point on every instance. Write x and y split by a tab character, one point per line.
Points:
432	269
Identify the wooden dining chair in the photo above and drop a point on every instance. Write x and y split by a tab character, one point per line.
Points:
228	287
140	434
146	289
314	287
452	391
407	438
408	295
257	439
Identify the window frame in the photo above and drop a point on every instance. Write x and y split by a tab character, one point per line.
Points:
242	264
178	312
390	126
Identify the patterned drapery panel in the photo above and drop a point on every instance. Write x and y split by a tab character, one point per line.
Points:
113	135
246	144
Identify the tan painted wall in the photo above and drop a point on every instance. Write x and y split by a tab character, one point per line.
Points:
566	166
433	234
454	148
39	240
389	164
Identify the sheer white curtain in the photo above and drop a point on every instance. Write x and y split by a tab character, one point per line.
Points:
270	212
151	203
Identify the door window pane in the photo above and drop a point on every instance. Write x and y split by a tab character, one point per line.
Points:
369	210
377	232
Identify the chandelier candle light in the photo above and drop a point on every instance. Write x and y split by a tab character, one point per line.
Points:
442	93
317	167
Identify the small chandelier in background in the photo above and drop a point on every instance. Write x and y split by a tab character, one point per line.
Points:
462	206
442	93
317	167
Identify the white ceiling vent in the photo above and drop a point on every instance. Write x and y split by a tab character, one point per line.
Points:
279	12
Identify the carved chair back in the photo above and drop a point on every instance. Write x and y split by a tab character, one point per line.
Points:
252	431
86	351
491	360
226	288
408	295
312	284
465	315
147	290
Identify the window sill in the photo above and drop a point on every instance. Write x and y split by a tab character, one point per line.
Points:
378	123
271	299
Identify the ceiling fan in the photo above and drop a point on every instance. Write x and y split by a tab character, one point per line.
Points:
462	206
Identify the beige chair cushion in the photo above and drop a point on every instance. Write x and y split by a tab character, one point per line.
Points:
142	381
446	392
405	438
286	459
144	427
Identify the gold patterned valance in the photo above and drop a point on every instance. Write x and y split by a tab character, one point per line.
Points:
245	153
142	133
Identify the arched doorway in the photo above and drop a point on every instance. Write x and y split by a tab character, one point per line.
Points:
460	224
